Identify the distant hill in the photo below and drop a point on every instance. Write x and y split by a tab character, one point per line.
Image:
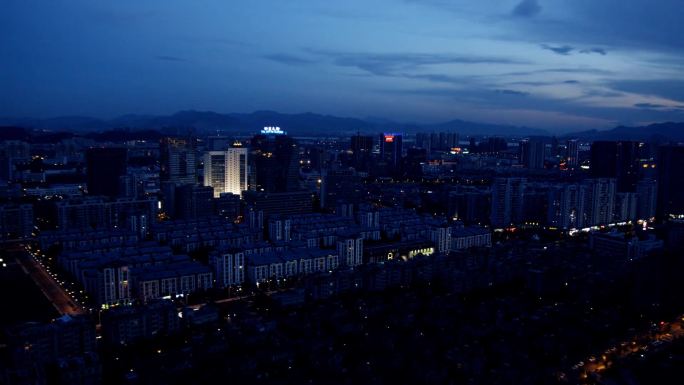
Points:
471	128
13	133
659	132
246	124
208	122
62	123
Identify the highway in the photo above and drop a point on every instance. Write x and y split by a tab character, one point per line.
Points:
54	292
233	299
589	370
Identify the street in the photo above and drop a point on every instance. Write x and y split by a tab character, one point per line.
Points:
50	288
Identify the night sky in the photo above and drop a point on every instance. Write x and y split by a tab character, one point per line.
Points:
555	64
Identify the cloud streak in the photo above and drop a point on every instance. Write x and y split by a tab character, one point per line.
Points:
599	51
527	8
512	92
388	64
560	50
622	58
288	59
566	50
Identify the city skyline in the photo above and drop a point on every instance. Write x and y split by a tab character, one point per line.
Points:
544	64
309	192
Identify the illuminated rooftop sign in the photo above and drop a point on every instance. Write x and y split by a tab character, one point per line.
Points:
389	138
271	130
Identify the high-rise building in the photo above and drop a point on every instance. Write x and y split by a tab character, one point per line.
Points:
369	217
178	161
532	153
194	201
227	205
276	162
566	206
450	140
627	166
218	143
507	201
625	207
493	145
98	213
237	170
412	164
442	141
226	171
603	159
391	148
229	268
338	185
345	209
279	229
215	171
554	147
470	205
423	141
362	148
572	153
350	250
61	352
104	168
287	203
254	216
441	237
535	204
670	181
617	160
647	198
16	221
600	201
130	186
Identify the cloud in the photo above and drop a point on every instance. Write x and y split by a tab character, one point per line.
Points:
659	107
602	93
649	105
539	83
169	58
288	59
655	25
527	8
599	51
672	89
560	50
579	70
437	78
512	92
566	50
498	99
389	64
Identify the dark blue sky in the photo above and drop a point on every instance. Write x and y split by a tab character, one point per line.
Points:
565	64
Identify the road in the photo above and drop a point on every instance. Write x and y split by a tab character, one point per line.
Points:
59	298
589	371
233	299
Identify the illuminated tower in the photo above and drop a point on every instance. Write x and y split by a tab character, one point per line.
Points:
391	148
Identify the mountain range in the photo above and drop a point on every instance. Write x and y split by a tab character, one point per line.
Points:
658	132
240	123
208	122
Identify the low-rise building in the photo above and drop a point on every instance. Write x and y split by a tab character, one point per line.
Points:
467	237
622	245
124	325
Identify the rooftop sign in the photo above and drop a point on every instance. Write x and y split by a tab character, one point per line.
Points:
271	130
389	137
